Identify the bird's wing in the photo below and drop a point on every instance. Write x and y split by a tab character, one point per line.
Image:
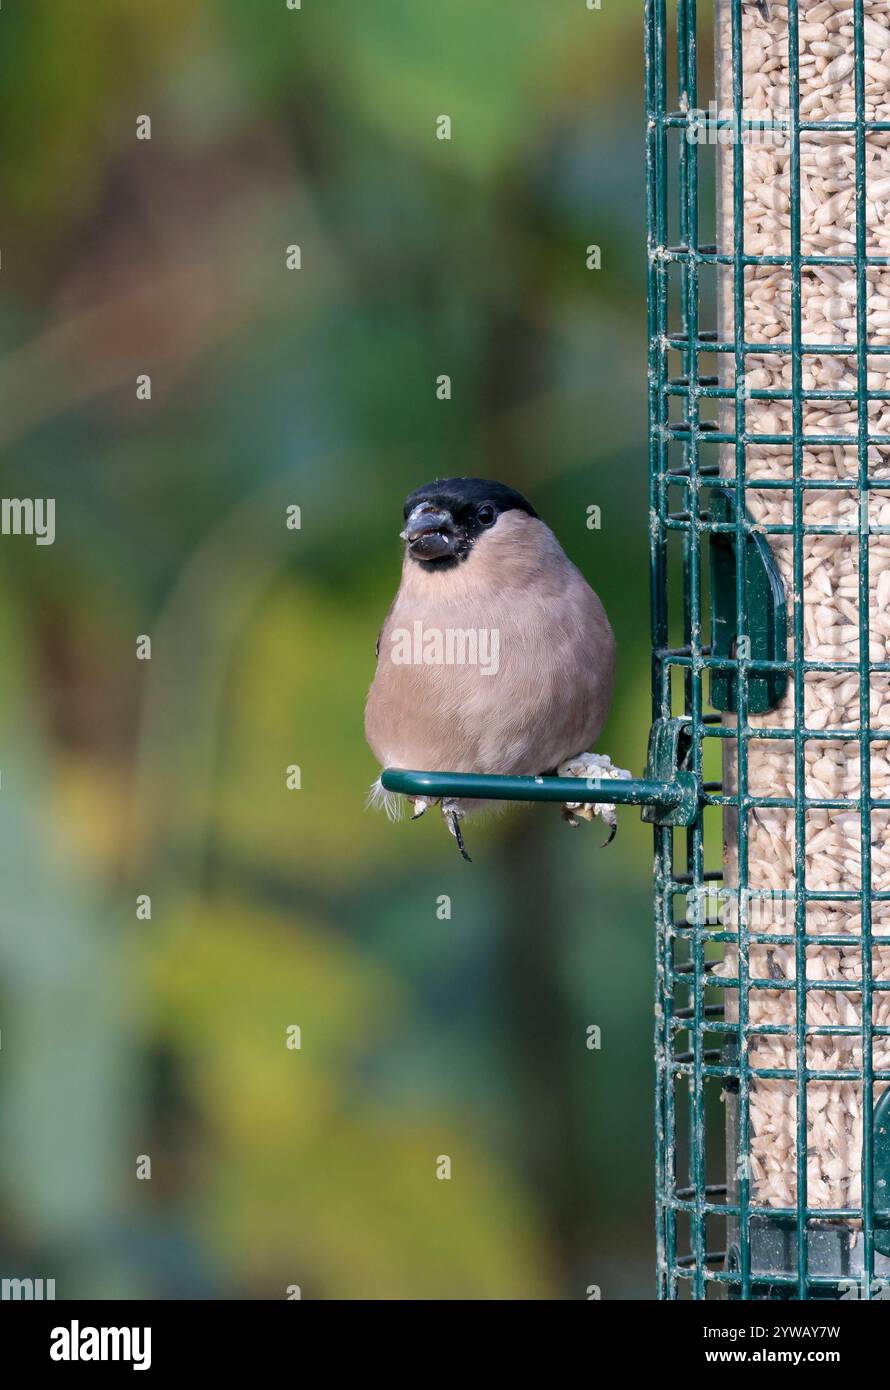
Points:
384	624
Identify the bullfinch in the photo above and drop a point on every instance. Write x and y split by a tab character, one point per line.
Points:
496	656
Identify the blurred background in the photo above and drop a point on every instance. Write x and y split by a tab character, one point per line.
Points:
121	1036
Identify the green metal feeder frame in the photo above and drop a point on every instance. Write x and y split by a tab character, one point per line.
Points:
732	659
720	462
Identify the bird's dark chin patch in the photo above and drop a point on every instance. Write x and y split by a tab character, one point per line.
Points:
432	546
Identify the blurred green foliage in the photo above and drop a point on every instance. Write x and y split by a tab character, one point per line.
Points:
420	1037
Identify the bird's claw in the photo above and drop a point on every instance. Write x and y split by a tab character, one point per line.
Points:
594	768
453	815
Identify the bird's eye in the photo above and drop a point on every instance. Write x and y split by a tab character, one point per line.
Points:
486	515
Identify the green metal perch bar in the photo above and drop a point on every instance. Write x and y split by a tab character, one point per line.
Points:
679	797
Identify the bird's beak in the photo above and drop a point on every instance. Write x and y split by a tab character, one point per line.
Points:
430	532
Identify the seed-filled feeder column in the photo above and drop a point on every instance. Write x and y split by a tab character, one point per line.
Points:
804	300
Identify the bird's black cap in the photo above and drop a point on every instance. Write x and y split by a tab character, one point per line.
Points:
467	493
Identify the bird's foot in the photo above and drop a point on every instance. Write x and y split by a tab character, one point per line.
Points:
594	768
421	805
453	815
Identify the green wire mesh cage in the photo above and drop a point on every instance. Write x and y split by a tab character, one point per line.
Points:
769	308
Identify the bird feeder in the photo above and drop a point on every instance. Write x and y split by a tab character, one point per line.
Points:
768	775
770	493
